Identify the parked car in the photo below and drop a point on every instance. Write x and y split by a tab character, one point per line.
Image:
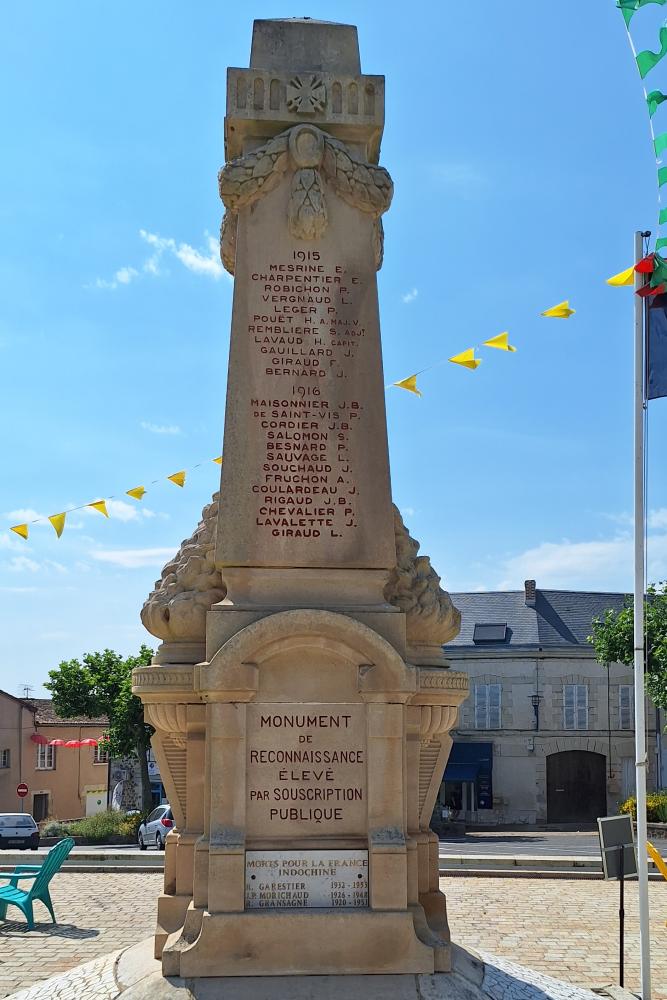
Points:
155	827
18	830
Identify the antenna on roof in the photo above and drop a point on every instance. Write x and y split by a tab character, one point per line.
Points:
27	690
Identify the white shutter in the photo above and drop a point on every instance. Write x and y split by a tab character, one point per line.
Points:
494	706
625	706
568	706
582	706
481	706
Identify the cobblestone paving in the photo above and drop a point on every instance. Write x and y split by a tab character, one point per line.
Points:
508	981
563	928
91	981
560	928
99	912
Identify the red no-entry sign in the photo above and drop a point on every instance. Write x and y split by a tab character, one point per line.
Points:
22	790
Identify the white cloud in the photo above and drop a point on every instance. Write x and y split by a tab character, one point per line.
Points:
161	428
24	514
601	564
410	296
18	590
121	510
134	558
657	518
123	276
408	511
22	564
205	261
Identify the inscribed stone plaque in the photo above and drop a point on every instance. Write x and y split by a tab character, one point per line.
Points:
306	770
305	480
276	879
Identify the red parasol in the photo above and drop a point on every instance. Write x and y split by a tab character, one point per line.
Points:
38	738
73	743
56	743
89	742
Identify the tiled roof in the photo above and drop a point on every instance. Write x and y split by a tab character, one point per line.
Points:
45	715
560	618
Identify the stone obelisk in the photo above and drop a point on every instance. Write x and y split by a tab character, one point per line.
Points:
303	743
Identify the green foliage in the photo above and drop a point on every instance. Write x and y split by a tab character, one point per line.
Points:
613	642
656	807
101	684
54	828
99	828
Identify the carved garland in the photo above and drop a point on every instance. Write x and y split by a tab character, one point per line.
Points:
311	153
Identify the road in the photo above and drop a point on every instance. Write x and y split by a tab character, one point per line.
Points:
526	843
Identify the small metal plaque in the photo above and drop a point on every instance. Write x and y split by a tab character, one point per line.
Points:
615	833
289	879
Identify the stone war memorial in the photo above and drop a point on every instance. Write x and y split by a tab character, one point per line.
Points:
300	697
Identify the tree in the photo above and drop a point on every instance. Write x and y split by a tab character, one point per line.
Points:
613	640
102	685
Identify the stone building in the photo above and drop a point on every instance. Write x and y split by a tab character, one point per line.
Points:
547	733
63	782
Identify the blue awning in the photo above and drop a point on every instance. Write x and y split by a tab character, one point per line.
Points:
461	772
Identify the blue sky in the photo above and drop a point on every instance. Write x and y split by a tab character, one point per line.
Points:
517	138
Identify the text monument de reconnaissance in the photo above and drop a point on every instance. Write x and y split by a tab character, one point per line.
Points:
300	698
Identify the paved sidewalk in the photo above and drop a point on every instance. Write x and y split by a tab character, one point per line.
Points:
564	929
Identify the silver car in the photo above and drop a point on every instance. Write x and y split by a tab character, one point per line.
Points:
154	829
18	830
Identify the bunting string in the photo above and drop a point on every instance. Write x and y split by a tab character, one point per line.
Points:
58	521
653	264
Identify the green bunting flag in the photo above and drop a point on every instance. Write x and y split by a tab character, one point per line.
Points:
654	100
630	7
647	59
660	143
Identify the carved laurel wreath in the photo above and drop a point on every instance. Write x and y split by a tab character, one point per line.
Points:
311	153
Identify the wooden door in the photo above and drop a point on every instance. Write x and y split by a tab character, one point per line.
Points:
576	787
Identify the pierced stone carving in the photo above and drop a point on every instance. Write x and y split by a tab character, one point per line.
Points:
190	585
414	587
312	154
306	95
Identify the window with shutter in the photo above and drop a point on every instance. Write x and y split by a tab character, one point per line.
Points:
582	706
568	706
575	706
46	758
625	706
494	707
487	706
481	703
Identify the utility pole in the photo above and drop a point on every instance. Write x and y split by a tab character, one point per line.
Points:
639	646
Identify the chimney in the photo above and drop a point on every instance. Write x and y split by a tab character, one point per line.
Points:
530	593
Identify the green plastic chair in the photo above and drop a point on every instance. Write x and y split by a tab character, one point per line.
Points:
42	874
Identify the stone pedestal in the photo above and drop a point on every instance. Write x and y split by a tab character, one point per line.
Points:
301	702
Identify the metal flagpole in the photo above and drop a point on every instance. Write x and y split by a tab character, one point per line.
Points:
640	737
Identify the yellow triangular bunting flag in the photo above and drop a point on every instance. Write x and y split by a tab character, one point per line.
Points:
409	383
626	277
467	359
58	522
100	505
501	342
136	492
561	311
21	529
178	478
218	460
